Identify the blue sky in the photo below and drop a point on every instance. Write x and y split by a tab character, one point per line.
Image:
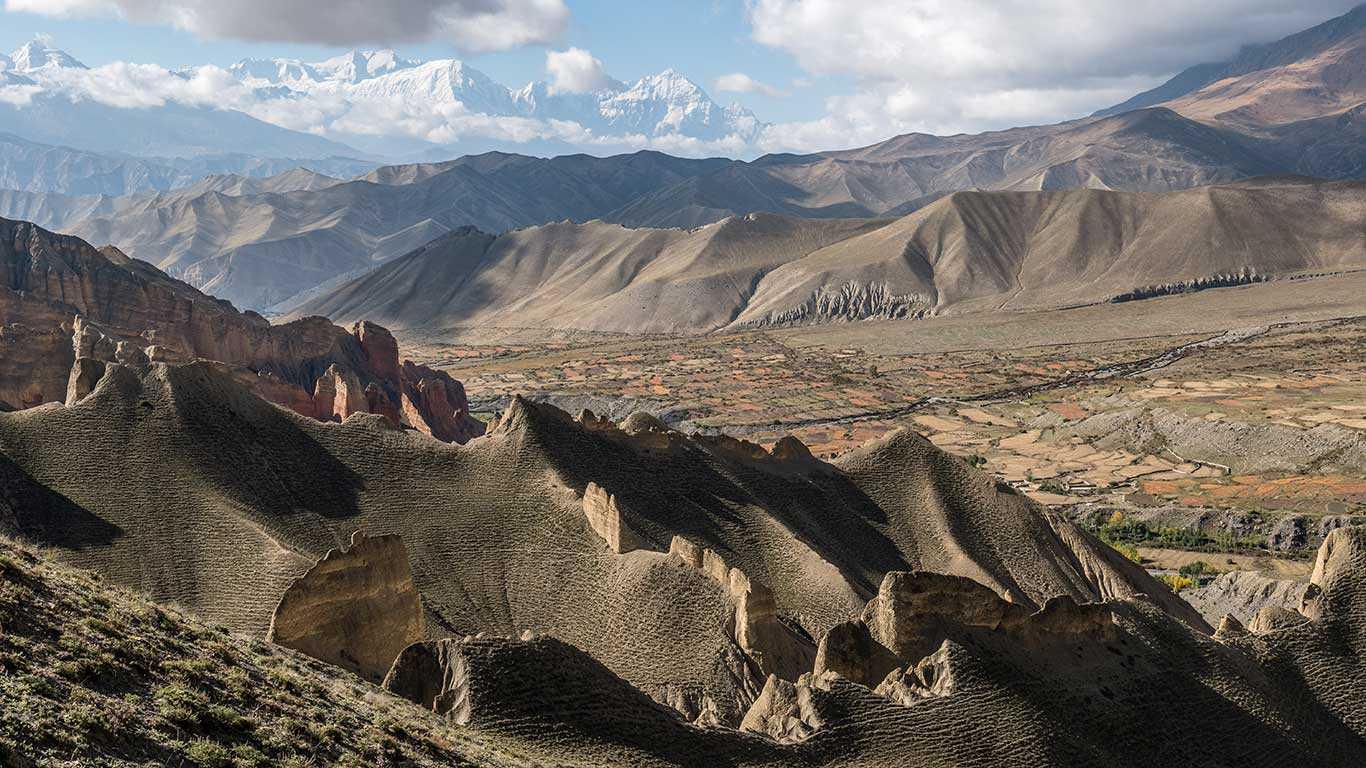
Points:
838	73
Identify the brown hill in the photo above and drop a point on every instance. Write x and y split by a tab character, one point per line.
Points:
1011	250
1315	73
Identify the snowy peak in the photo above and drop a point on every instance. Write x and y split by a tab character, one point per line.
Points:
670	85
36	55
355	66
664	104
438	82
670	103
273	71
349	68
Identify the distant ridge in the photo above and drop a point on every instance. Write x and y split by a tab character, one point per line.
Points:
967	250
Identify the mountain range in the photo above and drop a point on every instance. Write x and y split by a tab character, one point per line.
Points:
969	250
30	166
656	106
48	95
1300	109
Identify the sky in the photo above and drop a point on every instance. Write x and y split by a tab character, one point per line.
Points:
825	73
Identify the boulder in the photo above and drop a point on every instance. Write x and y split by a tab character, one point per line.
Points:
1289	534
776	713
849	650
356	608
1272	618
1229	628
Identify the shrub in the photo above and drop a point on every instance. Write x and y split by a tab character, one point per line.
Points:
1128	550
180	704
208	754
246	756
1053	485
1196	569
1176	581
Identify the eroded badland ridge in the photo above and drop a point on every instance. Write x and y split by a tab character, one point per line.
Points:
1042	447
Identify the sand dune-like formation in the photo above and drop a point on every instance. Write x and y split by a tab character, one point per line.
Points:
742	557
1096	684
949	673
970	250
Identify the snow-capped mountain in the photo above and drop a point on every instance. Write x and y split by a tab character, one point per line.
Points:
388	106
48	96
36	55
655	106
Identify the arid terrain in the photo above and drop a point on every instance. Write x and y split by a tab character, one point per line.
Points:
1188	413
706	442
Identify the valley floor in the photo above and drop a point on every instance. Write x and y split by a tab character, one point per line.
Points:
1227	421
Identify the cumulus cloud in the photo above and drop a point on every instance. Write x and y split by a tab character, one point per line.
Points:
17	94
971	65
133	86
739	82
576	71
474	25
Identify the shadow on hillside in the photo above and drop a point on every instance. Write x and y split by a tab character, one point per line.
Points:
258	454
41	515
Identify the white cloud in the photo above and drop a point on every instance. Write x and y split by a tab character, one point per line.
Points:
132	86
576	71
18	95
63	7
946	66
474	25
739	82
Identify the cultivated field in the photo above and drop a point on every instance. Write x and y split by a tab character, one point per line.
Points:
1229	420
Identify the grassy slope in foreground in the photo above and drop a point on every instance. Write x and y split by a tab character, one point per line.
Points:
92	675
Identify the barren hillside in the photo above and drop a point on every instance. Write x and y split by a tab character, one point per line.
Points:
970	250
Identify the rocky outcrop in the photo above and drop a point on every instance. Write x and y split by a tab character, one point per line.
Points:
356	608
774	646
1247	276
850	301
1289	534
435	404
916	612
338	394
113	309
1243	447
777	713
1241	594
931	677
604	517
